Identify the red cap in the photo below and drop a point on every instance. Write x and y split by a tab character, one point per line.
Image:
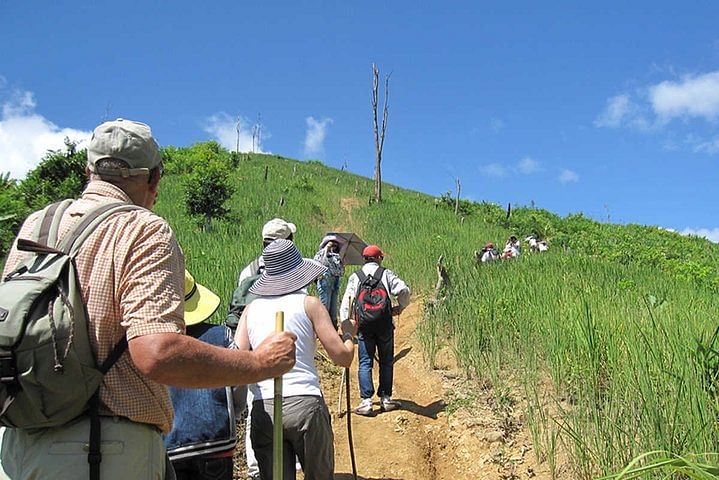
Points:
372	251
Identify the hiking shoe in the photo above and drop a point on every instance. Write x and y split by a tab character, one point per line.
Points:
365	407
387	404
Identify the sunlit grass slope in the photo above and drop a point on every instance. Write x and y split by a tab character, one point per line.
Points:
613	350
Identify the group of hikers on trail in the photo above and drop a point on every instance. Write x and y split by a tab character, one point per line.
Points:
110	368
512	249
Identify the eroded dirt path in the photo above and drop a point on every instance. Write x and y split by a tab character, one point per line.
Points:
447	428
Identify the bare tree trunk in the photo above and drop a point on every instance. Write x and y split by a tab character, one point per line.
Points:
456	201
379	129
238	126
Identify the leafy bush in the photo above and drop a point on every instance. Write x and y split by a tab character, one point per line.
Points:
207	190
59	175
13	211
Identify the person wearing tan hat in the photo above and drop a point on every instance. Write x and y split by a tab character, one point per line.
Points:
307	429
275	229
379	336
130	270
203	437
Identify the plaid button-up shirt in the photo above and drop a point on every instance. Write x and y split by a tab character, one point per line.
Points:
131	272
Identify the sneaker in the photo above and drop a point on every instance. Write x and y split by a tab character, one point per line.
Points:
365	407
387	404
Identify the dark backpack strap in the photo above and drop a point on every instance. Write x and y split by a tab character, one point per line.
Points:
44	231
377	275
94	455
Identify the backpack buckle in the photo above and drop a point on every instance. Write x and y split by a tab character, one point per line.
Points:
8	370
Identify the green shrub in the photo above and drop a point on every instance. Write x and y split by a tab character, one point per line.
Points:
207	189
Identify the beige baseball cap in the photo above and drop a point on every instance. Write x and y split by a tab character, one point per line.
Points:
277	229
124	140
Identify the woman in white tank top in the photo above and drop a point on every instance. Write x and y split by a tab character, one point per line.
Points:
307	431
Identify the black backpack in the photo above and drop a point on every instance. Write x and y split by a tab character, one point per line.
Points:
242	297
373	306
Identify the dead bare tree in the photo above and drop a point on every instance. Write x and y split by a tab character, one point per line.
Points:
456	201
238	127
379	129
257	133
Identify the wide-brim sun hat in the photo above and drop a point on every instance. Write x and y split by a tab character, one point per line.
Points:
200	301
285	270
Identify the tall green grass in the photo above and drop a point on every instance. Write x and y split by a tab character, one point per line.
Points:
605	351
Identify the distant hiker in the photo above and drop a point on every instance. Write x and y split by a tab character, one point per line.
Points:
488	253
130	271
512	249
204	433
275	229
371	286
536	245
328	285
307	432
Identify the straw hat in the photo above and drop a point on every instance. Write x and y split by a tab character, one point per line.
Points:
285	270
200	302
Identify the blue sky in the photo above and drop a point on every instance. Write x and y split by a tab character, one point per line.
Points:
608	109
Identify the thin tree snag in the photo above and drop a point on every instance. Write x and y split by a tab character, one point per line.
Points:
379	130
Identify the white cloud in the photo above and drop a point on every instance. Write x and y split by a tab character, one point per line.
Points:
223	128
26	136
711	234
315	136
494	170
692	96
617	109
568	176
528	166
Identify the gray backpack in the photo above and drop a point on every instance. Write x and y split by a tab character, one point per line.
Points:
48	371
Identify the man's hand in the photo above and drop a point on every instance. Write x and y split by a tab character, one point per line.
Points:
396	310
276	354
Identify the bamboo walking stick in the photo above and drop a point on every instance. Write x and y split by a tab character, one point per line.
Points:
277	440
349	407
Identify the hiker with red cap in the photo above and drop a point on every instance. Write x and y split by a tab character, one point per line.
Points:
372	287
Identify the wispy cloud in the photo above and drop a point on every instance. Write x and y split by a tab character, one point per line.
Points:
710	147
496	170
315	136
568	176
525	166
496	124
528	166
225	129
25	135
711	234
615	112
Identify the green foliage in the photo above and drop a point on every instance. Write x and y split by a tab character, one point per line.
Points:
185	160
13	211
207	190
59	175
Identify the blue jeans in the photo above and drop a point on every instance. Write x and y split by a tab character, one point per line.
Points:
383	343
328	288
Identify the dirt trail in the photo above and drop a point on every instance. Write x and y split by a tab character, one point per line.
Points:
443	430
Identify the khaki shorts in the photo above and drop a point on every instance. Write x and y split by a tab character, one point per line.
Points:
129	451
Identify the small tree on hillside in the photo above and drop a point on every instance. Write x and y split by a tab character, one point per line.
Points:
207	189
379	129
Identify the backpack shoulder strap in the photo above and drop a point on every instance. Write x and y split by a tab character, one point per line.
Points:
74	239
361	276
45	232
377	275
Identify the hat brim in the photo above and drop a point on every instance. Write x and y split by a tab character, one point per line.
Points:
297	278
201	305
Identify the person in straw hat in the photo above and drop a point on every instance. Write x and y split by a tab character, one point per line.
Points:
203	437
306	419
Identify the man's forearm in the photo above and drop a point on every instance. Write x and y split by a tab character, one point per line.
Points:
182	361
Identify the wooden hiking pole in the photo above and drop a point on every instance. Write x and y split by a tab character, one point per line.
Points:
349	407
277	440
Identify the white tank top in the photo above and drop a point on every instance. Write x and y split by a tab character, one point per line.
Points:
303	378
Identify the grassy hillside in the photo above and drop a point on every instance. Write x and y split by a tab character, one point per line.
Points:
610	334
608	325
